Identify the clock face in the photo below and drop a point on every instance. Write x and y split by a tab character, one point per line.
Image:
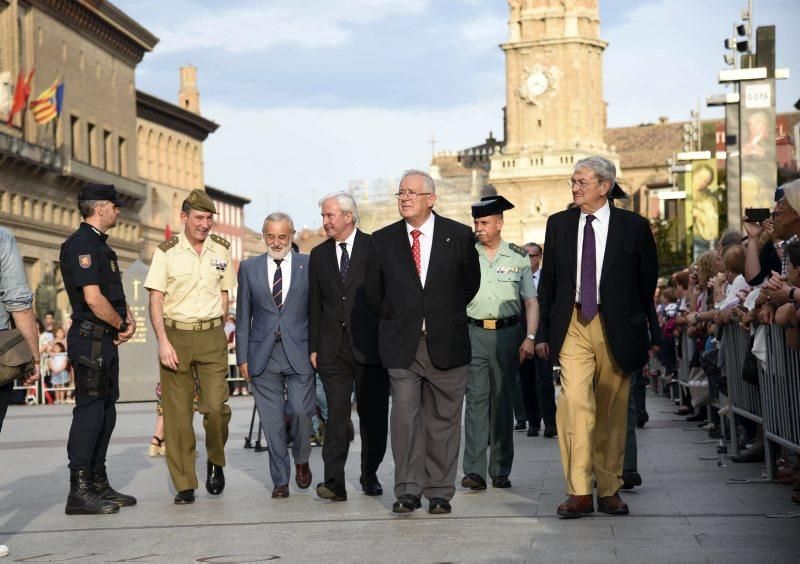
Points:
536	83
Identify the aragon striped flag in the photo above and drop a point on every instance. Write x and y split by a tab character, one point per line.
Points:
47	106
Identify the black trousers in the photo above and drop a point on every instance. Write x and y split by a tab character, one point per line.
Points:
5	396
638	392
372	396
538	392
94	416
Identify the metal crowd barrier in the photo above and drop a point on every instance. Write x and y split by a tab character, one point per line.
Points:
745	399
780	385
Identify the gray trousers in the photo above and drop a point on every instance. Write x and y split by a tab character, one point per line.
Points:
491	389
297	404
426	426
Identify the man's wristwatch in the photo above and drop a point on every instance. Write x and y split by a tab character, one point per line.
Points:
532	337
123	326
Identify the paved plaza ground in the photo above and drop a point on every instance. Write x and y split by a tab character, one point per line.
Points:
685	512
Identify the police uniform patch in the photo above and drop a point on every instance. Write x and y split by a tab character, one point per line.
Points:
85	261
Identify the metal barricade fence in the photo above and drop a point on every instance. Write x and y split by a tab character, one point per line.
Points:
780	385
745	399
684	359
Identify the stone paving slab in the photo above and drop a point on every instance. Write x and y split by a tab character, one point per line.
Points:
685	512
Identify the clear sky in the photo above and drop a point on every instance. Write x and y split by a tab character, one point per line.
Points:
311	94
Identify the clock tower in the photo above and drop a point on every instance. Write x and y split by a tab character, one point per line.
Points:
555	113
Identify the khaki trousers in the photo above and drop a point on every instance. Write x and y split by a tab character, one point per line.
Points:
592	410
205	354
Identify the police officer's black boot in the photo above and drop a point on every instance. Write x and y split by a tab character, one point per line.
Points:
104	490
82	500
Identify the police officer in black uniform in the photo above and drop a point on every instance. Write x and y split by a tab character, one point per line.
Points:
101	320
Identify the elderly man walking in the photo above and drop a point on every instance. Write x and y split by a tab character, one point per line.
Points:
272	349
598	280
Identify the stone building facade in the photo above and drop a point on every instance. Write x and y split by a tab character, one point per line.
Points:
170	157
94	49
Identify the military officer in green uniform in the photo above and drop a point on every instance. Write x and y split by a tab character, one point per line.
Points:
499	345
189	280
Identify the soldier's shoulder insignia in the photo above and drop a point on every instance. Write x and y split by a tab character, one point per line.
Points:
168	244
220	241
517	249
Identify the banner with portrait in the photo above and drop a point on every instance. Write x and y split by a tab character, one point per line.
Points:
757	145
704	198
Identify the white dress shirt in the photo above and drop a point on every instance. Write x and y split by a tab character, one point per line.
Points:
425	245
350	241
536	275
600	226
286	274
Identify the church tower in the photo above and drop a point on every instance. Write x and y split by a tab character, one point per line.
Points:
189	95
555	113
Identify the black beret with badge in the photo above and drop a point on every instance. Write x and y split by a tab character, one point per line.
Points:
100	192
490	205
200	201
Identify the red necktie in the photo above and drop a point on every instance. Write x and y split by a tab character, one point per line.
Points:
415	250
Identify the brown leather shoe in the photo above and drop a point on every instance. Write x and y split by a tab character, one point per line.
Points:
280	492
302	475
576	506
612	504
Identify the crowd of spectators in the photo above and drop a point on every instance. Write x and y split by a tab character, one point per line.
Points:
748	282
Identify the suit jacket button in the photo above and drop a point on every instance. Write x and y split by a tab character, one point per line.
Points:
344	298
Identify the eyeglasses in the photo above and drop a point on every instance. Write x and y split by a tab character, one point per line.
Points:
407	194
581	183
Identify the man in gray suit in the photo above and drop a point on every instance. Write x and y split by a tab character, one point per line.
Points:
272	348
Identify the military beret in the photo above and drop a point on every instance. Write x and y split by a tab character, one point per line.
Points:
490	205
200	201
107	192
617	193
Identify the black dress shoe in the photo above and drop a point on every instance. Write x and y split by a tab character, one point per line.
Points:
550	431
184	497
642	419
406	503
501	482
439	506
332	491
215	478
533	431
370	485
474	482
630	479
699	417
520	426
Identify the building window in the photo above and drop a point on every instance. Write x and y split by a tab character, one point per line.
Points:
122	156
92	138
108	150
75	139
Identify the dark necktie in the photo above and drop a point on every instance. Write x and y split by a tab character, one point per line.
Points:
277	285
589	272
344	264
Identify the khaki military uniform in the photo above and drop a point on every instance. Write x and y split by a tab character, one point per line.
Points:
495	335
192	286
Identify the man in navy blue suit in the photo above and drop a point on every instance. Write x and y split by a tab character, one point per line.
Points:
272	348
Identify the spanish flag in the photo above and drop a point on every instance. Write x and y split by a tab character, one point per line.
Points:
47	106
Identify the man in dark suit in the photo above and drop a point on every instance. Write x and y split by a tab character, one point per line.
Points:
598	281
272	349
427	272
343	340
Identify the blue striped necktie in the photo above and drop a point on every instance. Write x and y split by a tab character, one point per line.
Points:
277	285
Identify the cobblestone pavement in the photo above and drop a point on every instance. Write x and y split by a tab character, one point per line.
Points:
686	511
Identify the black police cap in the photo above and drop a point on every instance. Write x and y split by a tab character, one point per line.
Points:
617	193
490	205
100	192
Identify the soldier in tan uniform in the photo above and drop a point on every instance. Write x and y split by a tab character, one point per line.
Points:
189	280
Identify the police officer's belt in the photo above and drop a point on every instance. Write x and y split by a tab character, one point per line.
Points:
495	323
197	326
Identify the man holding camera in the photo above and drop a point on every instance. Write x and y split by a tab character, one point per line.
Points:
101	320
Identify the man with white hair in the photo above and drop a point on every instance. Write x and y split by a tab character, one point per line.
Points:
343	340
272	349
599	276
